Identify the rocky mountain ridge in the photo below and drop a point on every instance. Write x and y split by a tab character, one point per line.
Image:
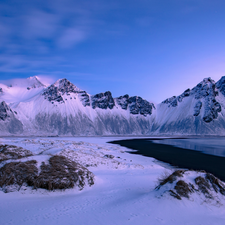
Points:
64	109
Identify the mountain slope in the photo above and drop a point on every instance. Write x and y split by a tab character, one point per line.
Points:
196	111
64	109
31	108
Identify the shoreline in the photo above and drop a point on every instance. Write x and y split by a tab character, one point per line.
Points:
177	157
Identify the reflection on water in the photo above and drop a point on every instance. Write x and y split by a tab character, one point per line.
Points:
212	146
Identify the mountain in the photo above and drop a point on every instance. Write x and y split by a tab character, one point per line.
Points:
196	111
64	109
29	107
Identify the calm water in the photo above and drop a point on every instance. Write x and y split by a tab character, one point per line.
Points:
212	146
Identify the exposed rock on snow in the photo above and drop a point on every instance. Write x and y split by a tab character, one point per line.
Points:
8	121
136	105
64	109
84	97
192	185
220	85
171	101
58	89
5	111
206	91
197	108
103	100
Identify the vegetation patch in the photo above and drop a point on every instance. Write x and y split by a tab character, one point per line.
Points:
171	178
15	174
62	173
189	182
183	189
59	173
13	152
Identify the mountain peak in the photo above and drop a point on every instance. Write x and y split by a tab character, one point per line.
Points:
34	82
65	85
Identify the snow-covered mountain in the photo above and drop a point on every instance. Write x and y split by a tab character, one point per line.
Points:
196	111
30	108
64	109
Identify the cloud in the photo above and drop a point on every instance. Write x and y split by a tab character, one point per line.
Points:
71	36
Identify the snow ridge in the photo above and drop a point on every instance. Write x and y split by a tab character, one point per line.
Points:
64	109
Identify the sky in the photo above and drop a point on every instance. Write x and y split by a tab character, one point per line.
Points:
151	48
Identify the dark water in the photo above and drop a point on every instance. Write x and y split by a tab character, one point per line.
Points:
181	157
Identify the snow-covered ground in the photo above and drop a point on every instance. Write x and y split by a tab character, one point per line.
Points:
123	192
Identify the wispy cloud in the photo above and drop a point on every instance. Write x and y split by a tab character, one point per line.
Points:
72	36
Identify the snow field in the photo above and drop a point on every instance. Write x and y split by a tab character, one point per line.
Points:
122	194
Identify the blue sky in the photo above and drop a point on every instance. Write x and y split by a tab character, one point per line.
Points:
151	48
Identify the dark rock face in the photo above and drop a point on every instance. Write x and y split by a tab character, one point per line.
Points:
171	101
197	108
183	95
1	90
9	122
212	108
205	92
52	94
55	92
4	111
66	86
136	104
123	101
103	101
220	85
84	97
204	89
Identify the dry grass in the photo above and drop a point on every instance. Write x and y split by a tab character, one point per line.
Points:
166	178
206	184
18	173
203	186
60	173
13	152
183	189
217	185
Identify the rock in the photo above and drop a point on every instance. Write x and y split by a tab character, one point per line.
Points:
220	85
84	97
136	105
212	107
197	108
123	101
5	111
103	101
186	93
171	101
58	89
